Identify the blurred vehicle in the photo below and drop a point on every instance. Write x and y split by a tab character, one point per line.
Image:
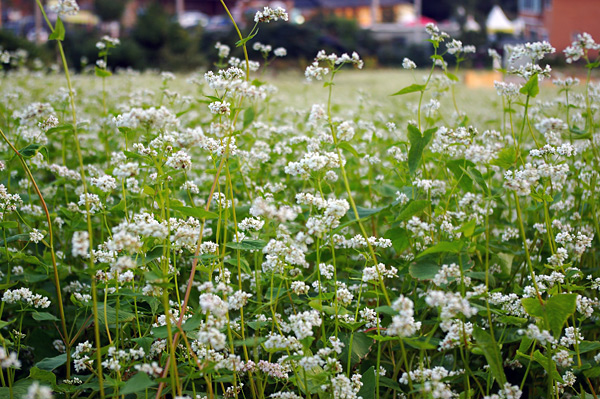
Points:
191	19
218	23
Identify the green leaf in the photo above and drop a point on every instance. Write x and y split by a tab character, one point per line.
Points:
138	383
491	352
411	209
505	261
478	177
51	363
531	88
399	237
17	237
444	246
102	73
452	76
67	128
30	151
364	212
249	116
559	308
410	89
423	270
419	343
506	158
368	389
361	346
198	213
457	167
555	311
19	390
418	143
468	228
548	364
594	372
59	31
247	245
111	315
240	43
40	375
346	146
44	316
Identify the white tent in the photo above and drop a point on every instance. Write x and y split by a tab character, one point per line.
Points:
497	22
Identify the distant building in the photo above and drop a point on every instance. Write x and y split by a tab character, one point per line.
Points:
559	21
366	12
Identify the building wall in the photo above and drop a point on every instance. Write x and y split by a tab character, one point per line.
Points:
564	19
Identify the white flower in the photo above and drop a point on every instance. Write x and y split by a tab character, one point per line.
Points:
268	14
65	7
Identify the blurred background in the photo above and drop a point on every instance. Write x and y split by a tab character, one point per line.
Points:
180	35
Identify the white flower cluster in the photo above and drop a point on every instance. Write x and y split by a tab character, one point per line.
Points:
150	118
65	7
9	360
373	273
223	50
403	324
220	108
407	63
302	323
314	162
25	295
333	211
180	160
432	381
315	71
269	14
456	46
580	47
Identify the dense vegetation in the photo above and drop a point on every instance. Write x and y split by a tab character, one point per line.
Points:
208	236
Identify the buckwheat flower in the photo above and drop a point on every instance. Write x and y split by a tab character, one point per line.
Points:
80	244
345	131
299	288
571	337
152	369
280	52
407	63
223	50
9	360
455	46
35	236
435	33
50	122
403	324
25	295
542	336
268	14
4	57
579	48
220	108
314	71
180	160
37	391
509	90
65	7
302	323
563	358
263	48
106	183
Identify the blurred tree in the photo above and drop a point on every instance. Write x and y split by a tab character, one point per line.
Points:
151	27
110	10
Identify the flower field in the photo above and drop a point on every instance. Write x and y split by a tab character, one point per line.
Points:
343	234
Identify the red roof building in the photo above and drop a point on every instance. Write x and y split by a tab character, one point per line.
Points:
559	21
